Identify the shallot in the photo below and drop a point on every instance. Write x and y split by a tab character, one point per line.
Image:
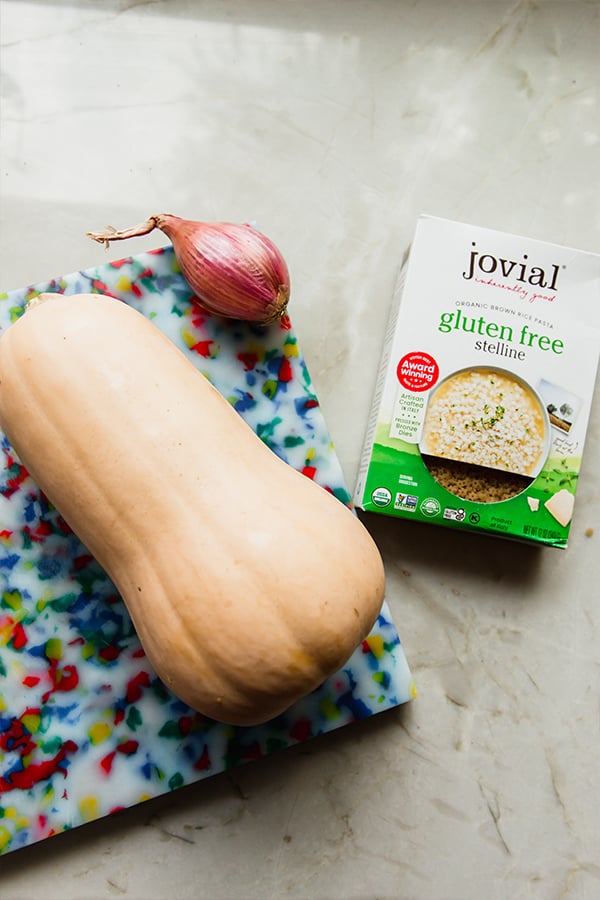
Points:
233	270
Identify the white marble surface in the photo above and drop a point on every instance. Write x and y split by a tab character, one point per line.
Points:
333	125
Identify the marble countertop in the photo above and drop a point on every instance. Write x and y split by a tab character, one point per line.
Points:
333	126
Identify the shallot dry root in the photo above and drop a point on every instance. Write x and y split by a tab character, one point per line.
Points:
233	270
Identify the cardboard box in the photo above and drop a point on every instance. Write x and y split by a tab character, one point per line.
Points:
486	382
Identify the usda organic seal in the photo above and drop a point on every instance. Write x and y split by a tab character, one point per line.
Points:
381	496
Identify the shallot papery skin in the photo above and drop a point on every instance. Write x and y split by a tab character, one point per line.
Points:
233	270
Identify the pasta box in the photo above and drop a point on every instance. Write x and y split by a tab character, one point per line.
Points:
485	387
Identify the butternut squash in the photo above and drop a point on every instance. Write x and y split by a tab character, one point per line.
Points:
247	583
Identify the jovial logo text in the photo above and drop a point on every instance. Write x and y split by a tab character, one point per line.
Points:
487	264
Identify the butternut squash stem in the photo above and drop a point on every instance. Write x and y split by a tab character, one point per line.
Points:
39	299
105	237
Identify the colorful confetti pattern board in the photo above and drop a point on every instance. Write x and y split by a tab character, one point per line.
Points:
86	727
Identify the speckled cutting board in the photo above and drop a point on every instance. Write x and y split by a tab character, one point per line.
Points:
86	727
